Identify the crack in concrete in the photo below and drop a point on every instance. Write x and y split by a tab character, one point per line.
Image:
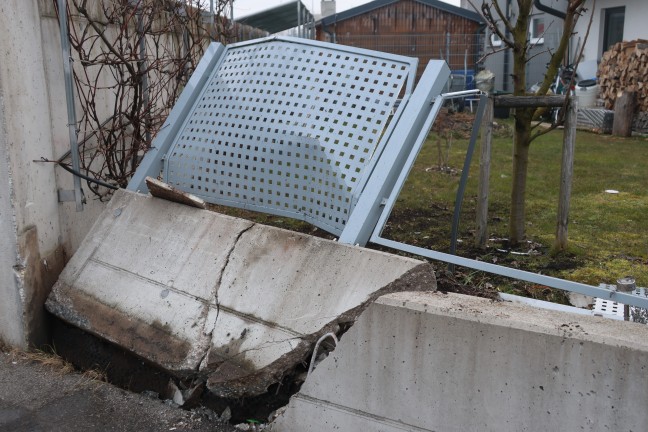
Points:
222	272
217	286
264	346
419	278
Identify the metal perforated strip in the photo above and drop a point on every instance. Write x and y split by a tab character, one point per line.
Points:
287	128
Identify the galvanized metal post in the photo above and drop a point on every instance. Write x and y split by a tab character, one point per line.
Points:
448	50
142	65
299	22
464	175
69	96
211	19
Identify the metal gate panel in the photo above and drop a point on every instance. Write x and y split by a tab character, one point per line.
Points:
290	127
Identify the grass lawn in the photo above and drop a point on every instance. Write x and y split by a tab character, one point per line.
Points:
608	233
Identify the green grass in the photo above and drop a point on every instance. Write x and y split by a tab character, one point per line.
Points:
608	233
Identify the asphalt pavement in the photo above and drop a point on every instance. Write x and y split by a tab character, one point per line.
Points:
36	396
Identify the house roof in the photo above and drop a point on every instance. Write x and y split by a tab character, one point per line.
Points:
277	19
368	7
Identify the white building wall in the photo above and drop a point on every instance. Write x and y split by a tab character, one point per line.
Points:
11	305
634	26
37	231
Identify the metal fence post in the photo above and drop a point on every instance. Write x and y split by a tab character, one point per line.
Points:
464	175
69	96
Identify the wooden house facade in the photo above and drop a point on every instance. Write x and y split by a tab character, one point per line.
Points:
427	29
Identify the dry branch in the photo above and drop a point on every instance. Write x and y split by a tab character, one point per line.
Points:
135	56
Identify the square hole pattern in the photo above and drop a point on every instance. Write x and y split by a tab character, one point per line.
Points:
287	128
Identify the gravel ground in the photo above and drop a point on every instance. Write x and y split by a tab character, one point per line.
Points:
45	396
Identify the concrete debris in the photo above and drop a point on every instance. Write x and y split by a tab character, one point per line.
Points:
165	191
251	426
200	294
580	300
184	397
226	415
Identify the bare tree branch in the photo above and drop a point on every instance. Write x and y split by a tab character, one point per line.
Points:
134	58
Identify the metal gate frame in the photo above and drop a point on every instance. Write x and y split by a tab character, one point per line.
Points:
635	299
386	157
389	167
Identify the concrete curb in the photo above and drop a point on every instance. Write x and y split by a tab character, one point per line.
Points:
432	361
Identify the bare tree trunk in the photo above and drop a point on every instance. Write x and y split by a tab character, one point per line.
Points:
522	134
518	192
514	35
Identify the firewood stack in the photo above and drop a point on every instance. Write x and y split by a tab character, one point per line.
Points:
625	67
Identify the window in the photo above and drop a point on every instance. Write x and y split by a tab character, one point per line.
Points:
613	26
537	31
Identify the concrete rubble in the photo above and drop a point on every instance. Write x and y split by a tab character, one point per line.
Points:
197	293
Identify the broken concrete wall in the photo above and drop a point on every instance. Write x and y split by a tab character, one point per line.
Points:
197	292
448	362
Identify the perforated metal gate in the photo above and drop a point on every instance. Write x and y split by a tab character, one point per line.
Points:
300	128
289	126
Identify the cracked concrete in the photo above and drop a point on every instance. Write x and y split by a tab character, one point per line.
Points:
449	362
192	290
202	364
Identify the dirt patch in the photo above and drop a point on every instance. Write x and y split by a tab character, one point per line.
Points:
448	281
459	125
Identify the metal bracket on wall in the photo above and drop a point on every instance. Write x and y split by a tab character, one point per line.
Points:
70	102
66	195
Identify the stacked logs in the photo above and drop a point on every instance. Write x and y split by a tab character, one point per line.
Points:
624	67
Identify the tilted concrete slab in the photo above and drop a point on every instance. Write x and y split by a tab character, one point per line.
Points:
193	290
448	362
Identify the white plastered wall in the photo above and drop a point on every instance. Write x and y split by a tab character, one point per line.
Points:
634	26
37	231
29	190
